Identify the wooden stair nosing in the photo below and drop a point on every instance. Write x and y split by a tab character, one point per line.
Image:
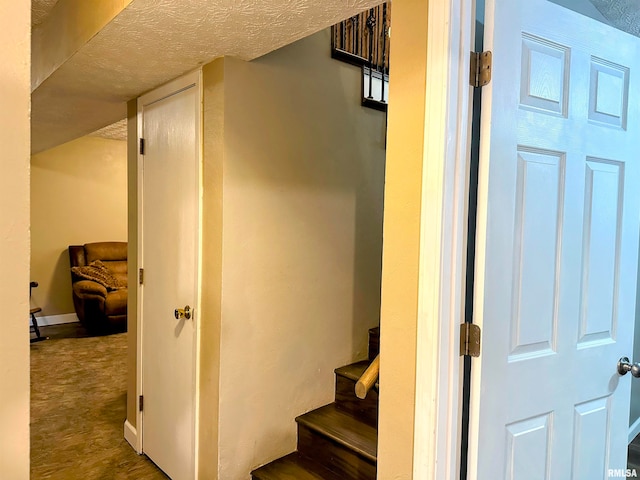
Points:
293	467
354	371
344	429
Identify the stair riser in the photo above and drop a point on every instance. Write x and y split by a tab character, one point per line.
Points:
334	456
366	410
293	467
374	343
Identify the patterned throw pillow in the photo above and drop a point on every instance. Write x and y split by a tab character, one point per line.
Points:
98	272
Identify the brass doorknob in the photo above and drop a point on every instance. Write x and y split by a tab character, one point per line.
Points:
182	313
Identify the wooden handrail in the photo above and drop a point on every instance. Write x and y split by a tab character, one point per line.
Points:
368	378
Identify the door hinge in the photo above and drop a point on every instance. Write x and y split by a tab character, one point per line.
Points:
469	340
140	403
142	146
141	276
480	73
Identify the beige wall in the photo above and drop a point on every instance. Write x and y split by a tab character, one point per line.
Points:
78	195
15	29
403	194
299	258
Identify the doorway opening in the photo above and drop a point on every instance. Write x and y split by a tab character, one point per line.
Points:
79	374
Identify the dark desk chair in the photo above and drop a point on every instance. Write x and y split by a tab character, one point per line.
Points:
34	321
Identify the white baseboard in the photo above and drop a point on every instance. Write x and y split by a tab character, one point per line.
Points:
131	435
47	320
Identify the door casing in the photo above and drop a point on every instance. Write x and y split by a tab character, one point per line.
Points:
433	127
443	239
172	87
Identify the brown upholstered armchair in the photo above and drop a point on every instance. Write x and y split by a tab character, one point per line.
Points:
100	286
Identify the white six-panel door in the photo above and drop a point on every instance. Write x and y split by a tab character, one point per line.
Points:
169	122
557	245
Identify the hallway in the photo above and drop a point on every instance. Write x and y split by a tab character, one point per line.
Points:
78	408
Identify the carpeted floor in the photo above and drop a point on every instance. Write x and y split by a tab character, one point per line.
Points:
78	408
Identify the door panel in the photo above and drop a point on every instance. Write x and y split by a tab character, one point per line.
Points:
538	218
557	245
170	258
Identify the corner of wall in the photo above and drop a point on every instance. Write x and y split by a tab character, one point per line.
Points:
400	268
14	240
132	254
213	77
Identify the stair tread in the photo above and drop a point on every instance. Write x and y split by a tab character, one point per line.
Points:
293	467
343	428
354	371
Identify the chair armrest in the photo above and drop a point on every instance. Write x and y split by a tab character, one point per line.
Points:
87	287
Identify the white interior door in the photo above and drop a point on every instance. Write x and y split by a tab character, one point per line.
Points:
170	249
557	245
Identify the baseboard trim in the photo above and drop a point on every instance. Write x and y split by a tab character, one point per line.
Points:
131	435
47	320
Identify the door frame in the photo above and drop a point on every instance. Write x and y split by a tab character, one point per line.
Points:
443	240
192	79
442	267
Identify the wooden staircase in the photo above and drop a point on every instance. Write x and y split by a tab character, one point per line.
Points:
338	441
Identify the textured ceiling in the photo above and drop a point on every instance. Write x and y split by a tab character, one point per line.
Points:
40	9
115	131
153	41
